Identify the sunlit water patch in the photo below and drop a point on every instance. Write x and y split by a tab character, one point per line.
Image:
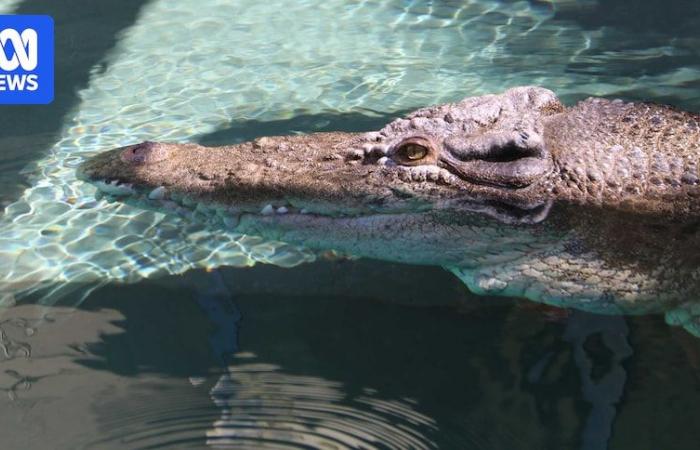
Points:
189	68
8	6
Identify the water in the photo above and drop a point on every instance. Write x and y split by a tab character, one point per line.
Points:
323	353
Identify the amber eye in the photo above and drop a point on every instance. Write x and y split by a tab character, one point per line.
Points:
413	152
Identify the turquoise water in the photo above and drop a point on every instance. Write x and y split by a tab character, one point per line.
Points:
302	352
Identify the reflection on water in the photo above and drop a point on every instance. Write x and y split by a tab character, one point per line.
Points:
326	367
603	389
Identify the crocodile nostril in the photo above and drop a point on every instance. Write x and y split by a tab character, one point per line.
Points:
144	153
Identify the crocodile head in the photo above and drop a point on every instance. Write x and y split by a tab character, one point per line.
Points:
483	155
468	185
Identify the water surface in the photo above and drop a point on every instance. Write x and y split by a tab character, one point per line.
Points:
324	354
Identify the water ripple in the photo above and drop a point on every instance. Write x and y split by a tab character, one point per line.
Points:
262	407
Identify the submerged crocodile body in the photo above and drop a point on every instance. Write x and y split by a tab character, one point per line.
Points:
594	206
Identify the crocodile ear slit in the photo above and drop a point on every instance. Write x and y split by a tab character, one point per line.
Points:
514	159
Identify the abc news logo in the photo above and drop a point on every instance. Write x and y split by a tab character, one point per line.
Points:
24	55
26	59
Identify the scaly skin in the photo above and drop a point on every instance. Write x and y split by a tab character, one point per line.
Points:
593	207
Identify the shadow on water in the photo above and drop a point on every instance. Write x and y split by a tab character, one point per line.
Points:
82	45
246	130
171	297
675	19
323	346
319	359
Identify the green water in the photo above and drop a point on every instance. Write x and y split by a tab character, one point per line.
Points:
324	354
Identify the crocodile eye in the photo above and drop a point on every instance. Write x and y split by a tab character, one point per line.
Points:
413	151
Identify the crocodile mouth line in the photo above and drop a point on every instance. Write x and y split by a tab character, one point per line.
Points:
161	199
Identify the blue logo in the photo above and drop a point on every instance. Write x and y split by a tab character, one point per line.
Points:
26	59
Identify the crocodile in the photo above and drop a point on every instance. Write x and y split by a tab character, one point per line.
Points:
593	206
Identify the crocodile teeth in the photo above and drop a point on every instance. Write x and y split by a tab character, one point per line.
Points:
267	210
157	193
282	210
113	187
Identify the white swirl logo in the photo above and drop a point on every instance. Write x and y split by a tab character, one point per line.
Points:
25	49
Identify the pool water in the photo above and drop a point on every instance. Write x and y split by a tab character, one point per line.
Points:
122	328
